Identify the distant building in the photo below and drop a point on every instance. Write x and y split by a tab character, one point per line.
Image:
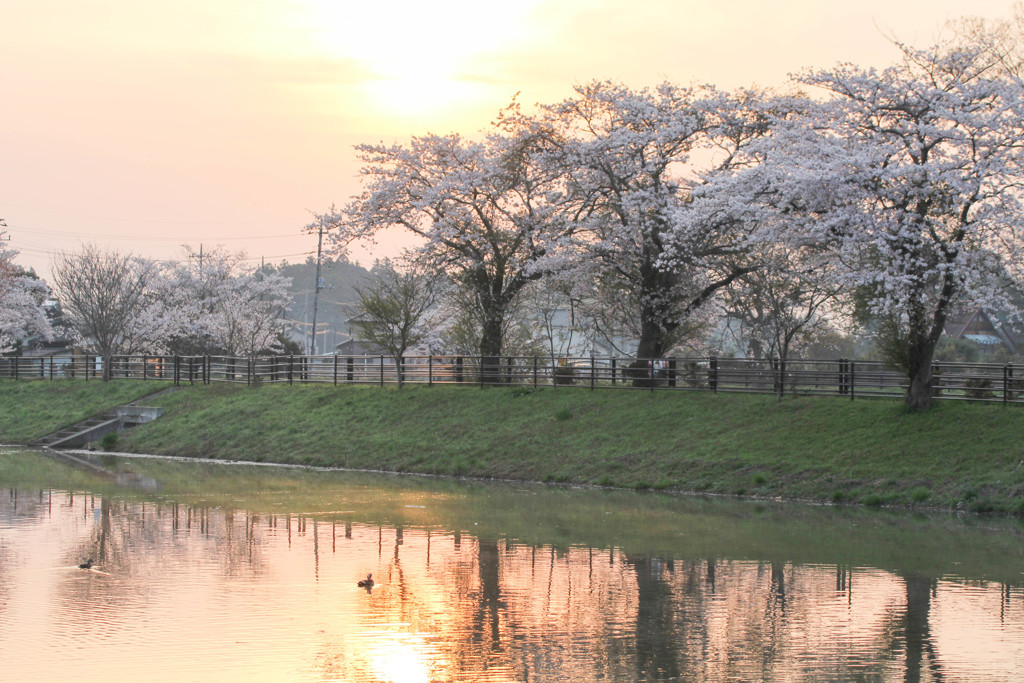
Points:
988	330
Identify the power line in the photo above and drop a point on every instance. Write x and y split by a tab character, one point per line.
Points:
142	238
52	252
159	239
130	220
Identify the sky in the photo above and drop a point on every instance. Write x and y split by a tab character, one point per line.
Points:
143	125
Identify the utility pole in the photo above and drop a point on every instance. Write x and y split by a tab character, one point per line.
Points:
316	288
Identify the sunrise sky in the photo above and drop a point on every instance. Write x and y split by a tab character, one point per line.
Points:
145	124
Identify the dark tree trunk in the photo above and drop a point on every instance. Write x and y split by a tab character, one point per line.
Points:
491	339
921	355
919	391
651	346
652	339
663	313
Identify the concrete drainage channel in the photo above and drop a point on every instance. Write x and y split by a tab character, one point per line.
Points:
95	428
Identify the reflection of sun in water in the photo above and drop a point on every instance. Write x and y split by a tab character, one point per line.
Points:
403	657
421	56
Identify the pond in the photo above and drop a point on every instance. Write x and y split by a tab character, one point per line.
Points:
207	571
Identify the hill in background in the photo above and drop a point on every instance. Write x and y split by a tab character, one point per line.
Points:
336	300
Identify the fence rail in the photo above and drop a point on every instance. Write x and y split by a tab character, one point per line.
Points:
996	383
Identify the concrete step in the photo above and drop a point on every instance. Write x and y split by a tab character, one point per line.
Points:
95	428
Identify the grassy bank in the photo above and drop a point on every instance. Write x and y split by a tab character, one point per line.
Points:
829	450
30	409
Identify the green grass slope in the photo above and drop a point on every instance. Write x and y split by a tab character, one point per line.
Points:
31	409
958	455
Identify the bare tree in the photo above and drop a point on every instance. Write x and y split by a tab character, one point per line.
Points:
104	295
785	304
393	311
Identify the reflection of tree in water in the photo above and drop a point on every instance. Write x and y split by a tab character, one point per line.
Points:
910	631
132	543
496	607
486	621
774	618
658	645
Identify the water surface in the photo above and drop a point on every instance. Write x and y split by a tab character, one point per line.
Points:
205	571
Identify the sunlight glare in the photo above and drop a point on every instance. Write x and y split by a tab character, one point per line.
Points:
421	56
404	657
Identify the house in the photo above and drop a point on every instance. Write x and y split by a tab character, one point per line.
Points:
988	330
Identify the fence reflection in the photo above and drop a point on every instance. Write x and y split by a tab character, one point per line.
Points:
465	607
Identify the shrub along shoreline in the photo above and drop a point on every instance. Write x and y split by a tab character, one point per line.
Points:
872	452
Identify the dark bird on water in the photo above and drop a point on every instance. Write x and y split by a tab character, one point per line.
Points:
86	565
366	583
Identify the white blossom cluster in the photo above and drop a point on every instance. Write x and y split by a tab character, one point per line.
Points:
21	302
895	192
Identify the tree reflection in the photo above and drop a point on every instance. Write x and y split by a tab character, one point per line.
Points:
460	607
657	646
916	630
486	622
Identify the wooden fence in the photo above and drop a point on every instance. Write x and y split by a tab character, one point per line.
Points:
995	383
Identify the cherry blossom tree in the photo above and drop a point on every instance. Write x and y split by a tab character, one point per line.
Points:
482	211
250	312
221	305
911	176
633	159
21	301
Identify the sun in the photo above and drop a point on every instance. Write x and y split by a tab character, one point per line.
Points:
417	56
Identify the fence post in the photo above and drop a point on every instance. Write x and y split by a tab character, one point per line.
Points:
535	372
15	368
382	370
853	380
1007	374
480	370
713	373
51	368
672	372
782	377
458	369
650	365
591	371
430	370
614	363
86	368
